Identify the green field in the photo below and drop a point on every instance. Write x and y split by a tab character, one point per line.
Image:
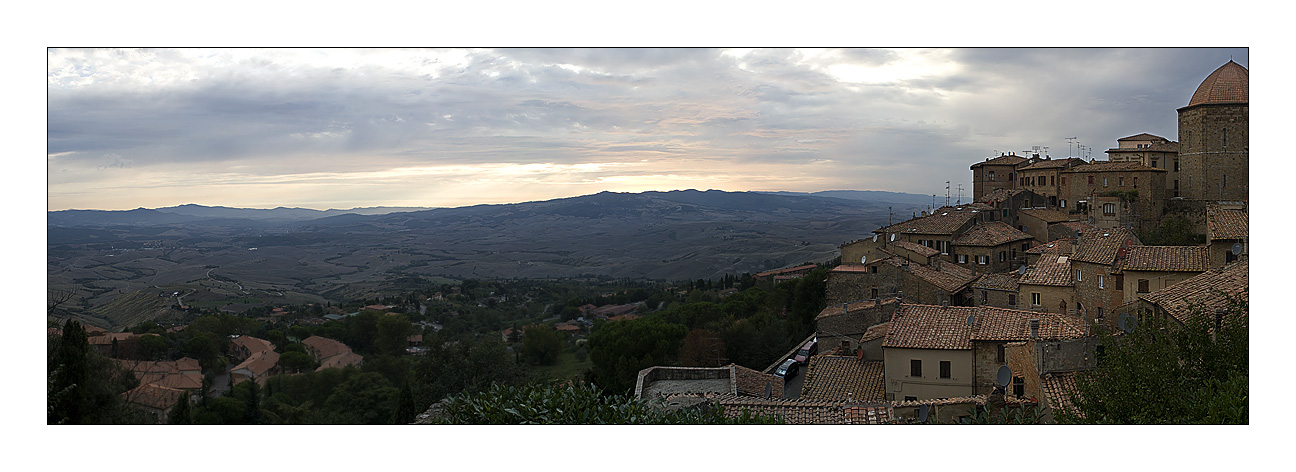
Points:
566	367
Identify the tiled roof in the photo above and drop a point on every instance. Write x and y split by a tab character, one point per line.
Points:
1229	83
1206	290
1226	224
341	360
994	233
852	307
945	220
258	363
1080	226
1001	281
877	331
1057	388
752	382
1002	324
324	348
843	378
1167	258
1142	137
916	248
153	396
950	277
930	327
791	411
1011	160
1119	166
1054	270
1054	164
978	400
1048	215
1170	146
1102	247
1056	247
999	195
851	268
253	345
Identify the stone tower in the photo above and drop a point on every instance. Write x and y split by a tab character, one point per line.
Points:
1213	137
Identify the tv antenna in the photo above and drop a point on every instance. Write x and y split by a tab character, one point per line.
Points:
947	195
960	195
1069	140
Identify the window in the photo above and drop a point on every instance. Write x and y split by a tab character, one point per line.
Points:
1011	176
944	369
910	399
1035	299
1229	257
1091	180
1000	353
1120	181
983	260
915	367
1063	181
873	269
1100	312
1100	283
1109	209
1136	182
962	258
1063	204
1005	212
945	247
985	297
1142	285
1120	282
1012	299
1104	181
1224	134
1154	163
1019	386
1003	256
992	176
873	293
1053	180
1176	165
1079	275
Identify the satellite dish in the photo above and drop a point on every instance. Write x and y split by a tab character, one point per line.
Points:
923	411
971	319
1236	249
1021	270
864	260
875	238
1004	377
1127	323
893	237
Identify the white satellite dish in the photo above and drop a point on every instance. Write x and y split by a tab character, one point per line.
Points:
893	235
1004	376
863	259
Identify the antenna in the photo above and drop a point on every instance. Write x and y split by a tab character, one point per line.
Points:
960	195
1069	140
947	188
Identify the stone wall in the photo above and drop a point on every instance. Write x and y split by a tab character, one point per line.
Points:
1214	143
659	380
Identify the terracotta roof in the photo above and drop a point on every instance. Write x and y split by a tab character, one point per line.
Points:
1057	388
1119	166
950	277
1048	215
852	307
323	348
842	378
258	363
1226	223
1007	159
253	345
1054	164
852	268
1081	226
945	220
1001	281
784	271
930	327
1142	137
877	331
1167	258
108	338
1002	324
341	360
1208	291
975	399
1228	84
153	396
1103	247
1054	270
917	248
183	381
752	382
999	195
994	233
1057	247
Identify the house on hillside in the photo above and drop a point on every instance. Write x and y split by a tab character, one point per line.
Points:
1226	228
332	354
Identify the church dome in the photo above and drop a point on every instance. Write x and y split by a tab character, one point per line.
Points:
1228	84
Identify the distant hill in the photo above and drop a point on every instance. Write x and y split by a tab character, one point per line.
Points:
268	254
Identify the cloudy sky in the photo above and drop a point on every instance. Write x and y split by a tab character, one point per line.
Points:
344	128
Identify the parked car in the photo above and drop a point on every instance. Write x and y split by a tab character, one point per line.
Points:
787	369
810	348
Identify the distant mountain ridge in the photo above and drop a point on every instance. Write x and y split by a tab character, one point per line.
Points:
273	253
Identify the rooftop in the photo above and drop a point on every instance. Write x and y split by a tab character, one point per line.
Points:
1049	164
1048	215
945	220
994	233
1103	246
1222	223
1005	159
1228	84
1055	247
877	331
1000	281
843	378
1167	258
940	327
1051	269
916	248
1119	166
1208	290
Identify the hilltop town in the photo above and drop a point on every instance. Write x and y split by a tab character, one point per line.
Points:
926	316
1000	304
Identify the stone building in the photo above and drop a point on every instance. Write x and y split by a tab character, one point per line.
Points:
1047	285
843	325
1226	226
1148	269
1003	205
1044	178
1214	137
996	290
1116	194
1206	292
1152	151
1036	221
996	173
1096	268
935	230
991	247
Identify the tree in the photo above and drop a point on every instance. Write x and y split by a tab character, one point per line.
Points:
541	344
180	413
83	386
296	361
393	334
1165	373
619	350
405	412
702	348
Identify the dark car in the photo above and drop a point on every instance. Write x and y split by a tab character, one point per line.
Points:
810	348
787	369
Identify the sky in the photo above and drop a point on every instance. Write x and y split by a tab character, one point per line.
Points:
345	128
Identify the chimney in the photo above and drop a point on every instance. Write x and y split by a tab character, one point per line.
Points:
1034	329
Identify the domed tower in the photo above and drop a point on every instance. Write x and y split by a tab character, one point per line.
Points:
1213	137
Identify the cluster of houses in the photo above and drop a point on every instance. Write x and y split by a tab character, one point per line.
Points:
998	302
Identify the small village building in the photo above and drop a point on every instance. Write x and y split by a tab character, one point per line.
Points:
1003	205
842	325
1036	221
331	354
997	290
1044	178
1096	267
1152	151
991	247
1117	194
1207	292
1226	227
1147	269
999	173
1048	286
935	230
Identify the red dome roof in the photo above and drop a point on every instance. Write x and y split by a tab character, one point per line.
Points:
1228	84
